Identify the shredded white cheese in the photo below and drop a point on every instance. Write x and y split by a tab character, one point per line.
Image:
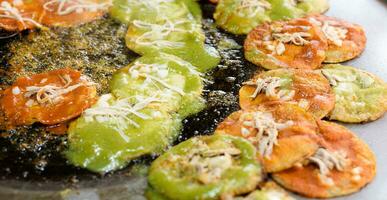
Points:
315	21
157	6
321	98
43	80
15	90
356	174
277	46
11	12
280	48
119	113
245	132
157	34
30	103
286	95
250	8
248	123
65	7
356	170
151	4
267	130
51	94
328	160
334	34
269	86
209	164
333	78
297	38
160	72
303	103
17	2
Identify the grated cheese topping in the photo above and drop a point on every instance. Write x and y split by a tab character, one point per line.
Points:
11	12
277	45
149	4
280	48
331	77
17	2
155	6
333	33
334	78
315	21
250	8
267	130
157	34
304	103
16	90
296	38
356	174
119	112
160	70
52	94
209	164
269	86
328	160
66	7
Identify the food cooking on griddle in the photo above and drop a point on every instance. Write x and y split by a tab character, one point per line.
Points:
107	85
307	88
19	15
282	133
174	81
207	167
172	27
241	16
360	96
49	98
71	12
143	114
342	165
115	131
345	40
297	43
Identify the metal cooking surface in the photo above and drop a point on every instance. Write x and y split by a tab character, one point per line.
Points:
19	170
64	182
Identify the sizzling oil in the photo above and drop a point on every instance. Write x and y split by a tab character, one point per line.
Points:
98	49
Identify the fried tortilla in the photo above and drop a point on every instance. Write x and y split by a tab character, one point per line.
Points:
360	96
345	40
173	80
49	98
343	166
283	133
206	167
19	15
307	88
72	12
120	131
241	16
297	43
